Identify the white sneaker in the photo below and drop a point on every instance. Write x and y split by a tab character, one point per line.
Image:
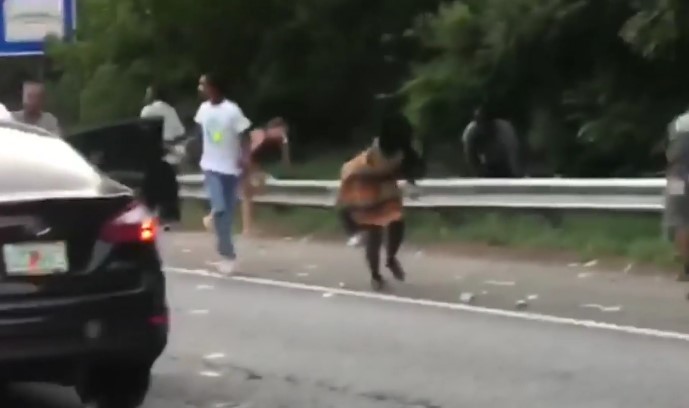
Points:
227	267
354	240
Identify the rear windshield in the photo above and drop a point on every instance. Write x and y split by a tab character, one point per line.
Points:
28	144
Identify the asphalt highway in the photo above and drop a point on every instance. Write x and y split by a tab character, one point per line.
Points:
298	329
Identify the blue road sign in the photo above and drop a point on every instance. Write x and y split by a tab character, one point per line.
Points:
24	24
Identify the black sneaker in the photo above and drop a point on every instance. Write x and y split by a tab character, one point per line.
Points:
396	269
377	284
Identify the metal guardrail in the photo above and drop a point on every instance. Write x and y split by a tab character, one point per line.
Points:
633	195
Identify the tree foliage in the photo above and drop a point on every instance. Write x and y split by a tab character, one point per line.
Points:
319	63
590	84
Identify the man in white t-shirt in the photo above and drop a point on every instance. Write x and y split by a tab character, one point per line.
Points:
157	105
33	113
222	125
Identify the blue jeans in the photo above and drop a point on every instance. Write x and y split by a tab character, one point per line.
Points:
222	192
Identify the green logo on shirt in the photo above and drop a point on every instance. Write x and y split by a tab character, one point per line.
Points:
214	131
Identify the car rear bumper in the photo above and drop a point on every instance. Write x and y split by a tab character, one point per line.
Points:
54	340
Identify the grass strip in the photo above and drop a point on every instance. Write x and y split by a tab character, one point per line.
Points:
633	237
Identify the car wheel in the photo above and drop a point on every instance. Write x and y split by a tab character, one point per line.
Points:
116	386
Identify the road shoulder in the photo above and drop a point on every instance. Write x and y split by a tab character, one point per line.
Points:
582	291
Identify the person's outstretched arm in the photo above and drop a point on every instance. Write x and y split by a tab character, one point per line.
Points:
242	126
285	152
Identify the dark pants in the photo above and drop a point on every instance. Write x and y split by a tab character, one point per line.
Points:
374	244
495	169
161	191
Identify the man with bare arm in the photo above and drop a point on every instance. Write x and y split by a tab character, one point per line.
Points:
32	113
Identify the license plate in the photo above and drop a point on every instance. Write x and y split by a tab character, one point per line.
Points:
35	259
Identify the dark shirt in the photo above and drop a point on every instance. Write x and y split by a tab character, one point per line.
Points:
492	147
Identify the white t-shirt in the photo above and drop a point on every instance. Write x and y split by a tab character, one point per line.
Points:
221	126
172	126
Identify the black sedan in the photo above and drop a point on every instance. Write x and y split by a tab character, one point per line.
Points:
82	292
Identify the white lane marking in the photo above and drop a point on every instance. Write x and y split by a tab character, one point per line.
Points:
500	283
585	275
303	274
197	272
204	287
532	297
591	264
607	309
543	318
211	374
198	312
328	294
186	251
214	356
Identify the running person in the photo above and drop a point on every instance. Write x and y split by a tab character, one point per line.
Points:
371	200
263	139
222	125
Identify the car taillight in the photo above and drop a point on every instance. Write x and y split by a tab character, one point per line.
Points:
135	224
159	320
